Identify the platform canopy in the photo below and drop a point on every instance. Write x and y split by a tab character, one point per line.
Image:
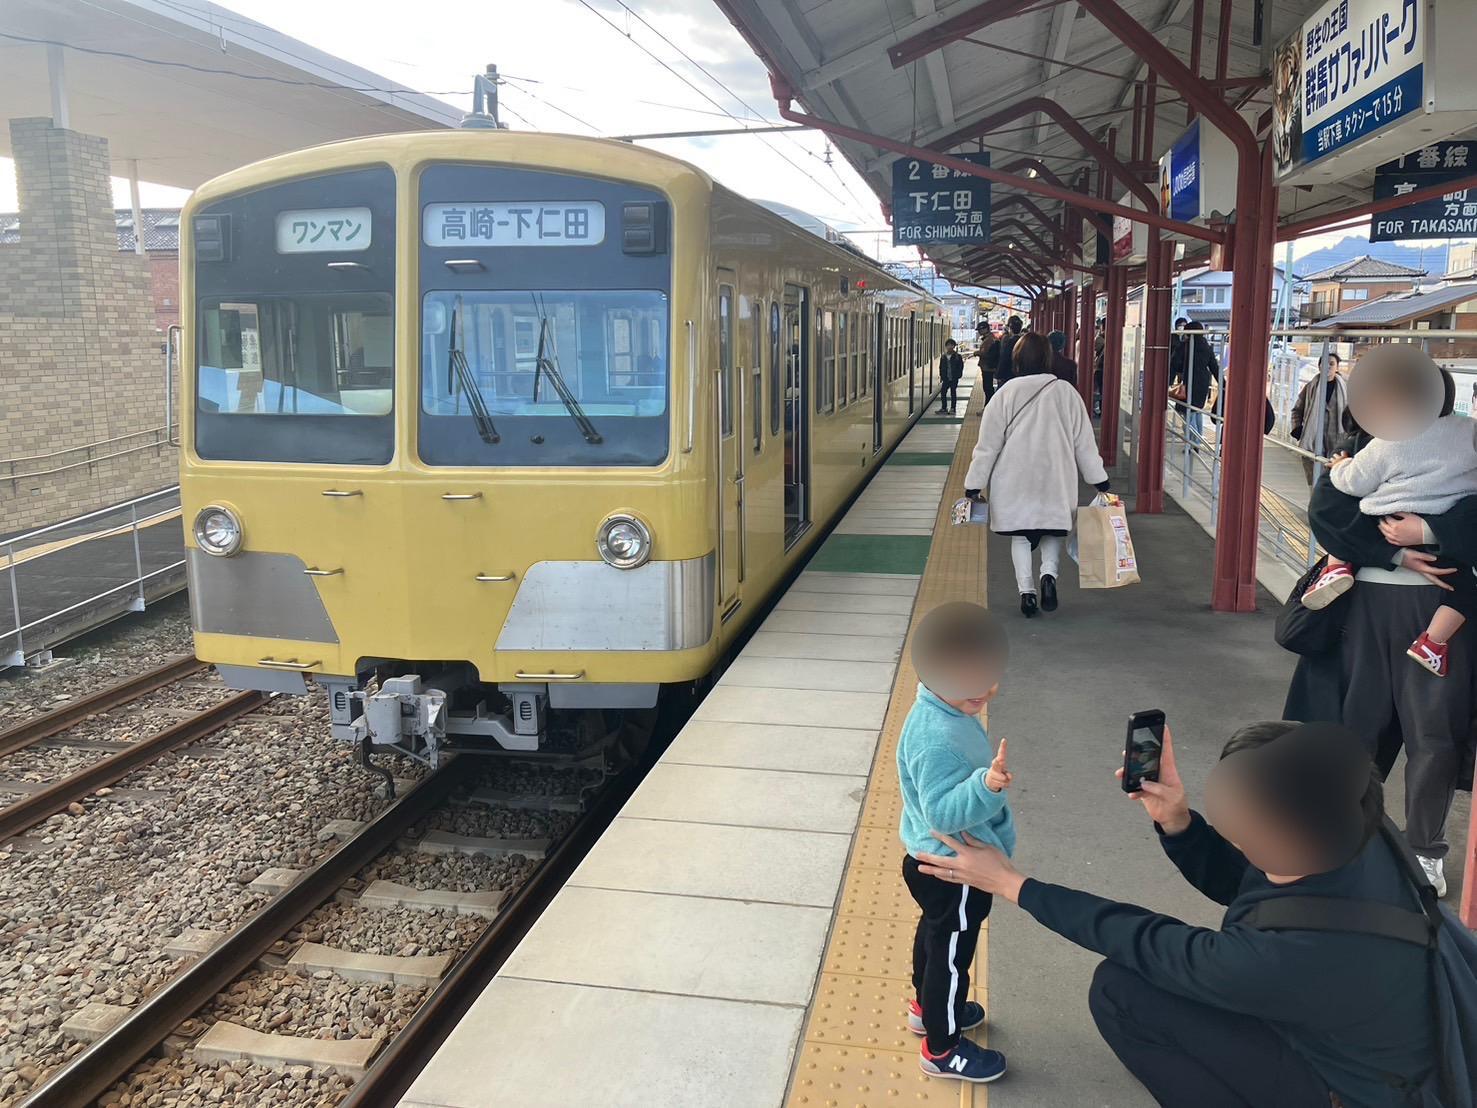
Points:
835	56
238	91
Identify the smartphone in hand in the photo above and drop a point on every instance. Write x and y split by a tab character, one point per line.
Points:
1142	747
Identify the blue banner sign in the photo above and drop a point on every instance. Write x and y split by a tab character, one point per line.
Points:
1352	69
1451	215
1179	177
935	204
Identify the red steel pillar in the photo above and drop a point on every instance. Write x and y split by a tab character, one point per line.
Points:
1148	423
1113	363
1085	336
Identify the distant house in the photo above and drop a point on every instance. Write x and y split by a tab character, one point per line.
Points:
161	244
1450	306
1351	283
1205	295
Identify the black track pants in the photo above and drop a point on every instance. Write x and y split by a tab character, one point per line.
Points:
943	948
949	394
1190	1055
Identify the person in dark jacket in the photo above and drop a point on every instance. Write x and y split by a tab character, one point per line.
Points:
1240	1016
951	369
989	359
1192	367
1061	365
1005	363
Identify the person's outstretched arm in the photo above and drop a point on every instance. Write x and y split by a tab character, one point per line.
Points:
1206	860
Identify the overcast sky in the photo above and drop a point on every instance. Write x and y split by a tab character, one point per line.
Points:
570	70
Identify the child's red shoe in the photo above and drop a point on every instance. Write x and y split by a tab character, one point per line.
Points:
1331	584
1430	654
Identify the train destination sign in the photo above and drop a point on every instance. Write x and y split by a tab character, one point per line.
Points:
514	223
935	204
1450	215
323	230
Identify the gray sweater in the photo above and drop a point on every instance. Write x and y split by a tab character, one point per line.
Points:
1425	475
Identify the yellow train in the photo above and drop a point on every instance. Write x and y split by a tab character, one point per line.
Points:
483	429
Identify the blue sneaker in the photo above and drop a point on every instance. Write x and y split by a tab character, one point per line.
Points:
966	1062
974	1015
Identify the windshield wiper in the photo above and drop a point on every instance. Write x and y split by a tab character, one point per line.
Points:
462	374
547	365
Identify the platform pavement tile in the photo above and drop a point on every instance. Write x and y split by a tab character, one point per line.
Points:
845	602
878	893
826	1074
812	673
878	847
885	518
801	707
748	798
844	750
620	1046
836	648
883	529
855	583
836	623
732	863
870	947
692	946
866	1012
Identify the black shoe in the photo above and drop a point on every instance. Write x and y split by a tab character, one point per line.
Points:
1028	604
1048	593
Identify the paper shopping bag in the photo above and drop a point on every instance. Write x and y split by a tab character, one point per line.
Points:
1104	549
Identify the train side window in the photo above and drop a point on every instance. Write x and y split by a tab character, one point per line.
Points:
843	354
725	360
825	385
857	346
776	393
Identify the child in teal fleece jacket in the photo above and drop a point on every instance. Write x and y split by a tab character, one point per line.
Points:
951	782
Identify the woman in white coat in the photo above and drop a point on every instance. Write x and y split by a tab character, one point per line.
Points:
1035	438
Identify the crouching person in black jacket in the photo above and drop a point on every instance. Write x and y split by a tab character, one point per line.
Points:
1247	1016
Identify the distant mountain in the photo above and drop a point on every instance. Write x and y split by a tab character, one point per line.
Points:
1429	256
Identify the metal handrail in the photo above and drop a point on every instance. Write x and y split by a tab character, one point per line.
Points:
83	446
91	461
27	536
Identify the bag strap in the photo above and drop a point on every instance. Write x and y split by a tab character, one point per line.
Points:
1336	913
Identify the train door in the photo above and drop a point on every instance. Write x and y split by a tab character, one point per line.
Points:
797	412
879	372
912	353
730	459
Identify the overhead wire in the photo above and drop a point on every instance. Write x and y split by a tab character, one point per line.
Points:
696	88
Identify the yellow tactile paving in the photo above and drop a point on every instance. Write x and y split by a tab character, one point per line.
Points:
856	1051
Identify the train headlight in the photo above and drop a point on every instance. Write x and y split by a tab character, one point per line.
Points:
624	542
217	531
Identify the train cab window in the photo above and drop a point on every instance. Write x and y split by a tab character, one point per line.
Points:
567	377
725	360
776	393
843	355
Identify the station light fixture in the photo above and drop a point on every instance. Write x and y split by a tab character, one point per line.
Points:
624	541
218	531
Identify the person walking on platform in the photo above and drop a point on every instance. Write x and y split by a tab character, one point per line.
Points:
1061	365
1261	1012
1005	362
949	777
1033	442
989	359
951	369
1338	423
1192	370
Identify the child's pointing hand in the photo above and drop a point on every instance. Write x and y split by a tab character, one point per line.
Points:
997	777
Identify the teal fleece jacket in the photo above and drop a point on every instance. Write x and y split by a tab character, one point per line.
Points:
942	756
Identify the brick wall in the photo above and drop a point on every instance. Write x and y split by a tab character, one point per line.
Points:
164	285
80	357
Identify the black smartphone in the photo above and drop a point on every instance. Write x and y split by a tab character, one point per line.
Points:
1142	748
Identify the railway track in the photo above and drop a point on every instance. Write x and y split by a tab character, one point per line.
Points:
169	1014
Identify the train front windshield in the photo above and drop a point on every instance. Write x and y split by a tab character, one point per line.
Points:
544	378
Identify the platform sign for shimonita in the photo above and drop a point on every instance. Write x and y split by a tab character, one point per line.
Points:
1351	70
936	204
1451	215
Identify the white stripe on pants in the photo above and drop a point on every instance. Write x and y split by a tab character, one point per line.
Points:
954	956
1020	556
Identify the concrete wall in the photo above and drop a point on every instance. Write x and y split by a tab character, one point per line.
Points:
80	357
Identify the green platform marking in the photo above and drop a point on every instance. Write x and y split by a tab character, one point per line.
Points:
942	419
919	458
872	554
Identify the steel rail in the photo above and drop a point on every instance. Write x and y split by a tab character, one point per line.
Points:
109	1059
400	1062
31	810
114	696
